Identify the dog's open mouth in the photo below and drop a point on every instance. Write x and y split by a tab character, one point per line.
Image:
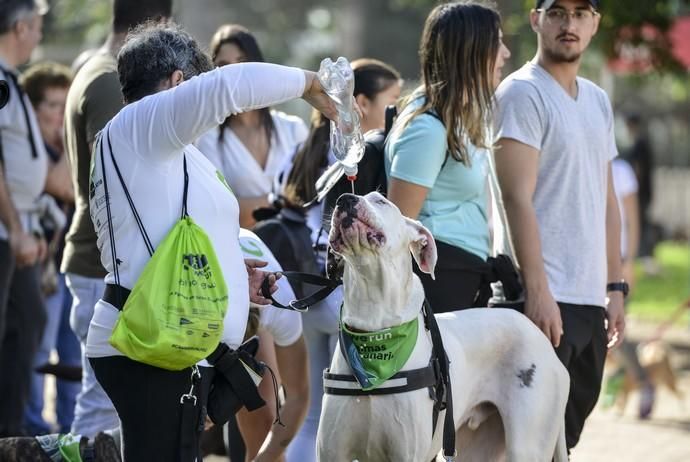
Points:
351	231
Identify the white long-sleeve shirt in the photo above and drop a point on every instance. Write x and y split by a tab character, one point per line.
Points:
244	174
149	138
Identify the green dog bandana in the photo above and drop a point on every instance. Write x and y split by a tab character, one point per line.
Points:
375	357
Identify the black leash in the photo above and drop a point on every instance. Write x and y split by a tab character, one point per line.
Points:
302	304
190	421
444	392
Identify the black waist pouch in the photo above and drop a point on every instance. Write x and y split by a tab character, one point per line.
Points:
495	269
235	383
503	270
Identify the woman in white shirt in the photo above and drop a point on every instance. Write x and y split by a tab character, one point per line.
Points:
170	101
249	148
283	348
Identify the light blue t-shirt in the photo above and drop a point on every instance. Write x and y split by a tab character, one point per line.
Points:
455	207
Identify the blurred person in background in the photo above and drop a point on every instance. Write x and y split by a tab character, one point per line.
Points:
377	85
249	148
282	348
437	154
22	246
641	158
94	98
626	186
46	85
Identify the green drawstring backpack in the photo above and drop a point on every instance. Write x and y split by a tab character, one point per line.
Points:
173	316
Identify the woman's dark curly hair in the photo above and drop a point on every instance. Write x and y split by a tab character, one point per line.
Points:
151	53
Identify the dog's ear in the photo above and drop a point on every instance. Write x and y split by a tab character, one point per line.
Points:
422	246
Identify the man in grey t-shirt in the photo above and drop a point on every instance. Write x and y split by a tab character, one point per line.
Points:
553	155
23	173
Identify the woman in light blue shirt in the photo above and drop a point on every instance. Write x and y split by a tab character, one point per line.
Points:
437	155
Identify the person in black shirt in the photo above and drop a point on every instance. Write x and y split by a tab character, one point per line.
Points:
641	158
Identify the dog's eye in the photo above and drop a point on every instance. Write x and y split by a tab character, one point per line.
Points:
382	201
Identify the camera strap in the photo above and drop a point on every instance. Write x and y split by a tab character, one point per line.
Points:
29	128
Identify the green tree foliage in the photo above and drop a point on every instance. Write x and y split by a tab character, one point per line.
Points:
84	22
642	23
639	23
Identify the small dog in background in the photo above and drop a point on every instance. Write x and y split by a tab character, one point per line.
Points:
655	361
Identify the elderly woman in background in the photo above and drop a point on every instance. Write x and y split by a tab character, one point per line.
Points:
46	85
171	100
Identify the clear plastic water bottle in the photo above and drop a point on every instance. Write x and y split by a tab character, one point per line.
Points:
347	141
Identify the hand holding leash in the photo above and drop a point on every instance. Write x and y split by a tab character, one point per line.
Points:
256	279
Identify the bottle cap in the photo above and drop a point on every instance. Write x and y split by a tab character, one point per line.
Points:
350	171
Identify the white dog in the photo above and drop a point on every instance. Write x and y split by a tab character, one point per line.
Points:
509	388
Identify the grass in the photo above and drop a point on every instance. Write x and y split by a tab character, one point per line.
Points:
655	298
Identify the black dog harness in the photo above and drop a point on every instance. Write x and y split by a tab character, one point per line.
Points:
435	376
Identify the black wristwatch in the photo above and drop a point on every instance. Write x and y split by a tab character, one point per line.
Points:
620	286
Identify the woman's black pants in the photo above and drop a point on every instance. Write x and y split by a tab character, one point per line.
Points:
458	278
147	400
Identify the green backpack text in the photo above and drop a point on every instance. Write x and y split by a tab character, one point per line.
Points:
173	316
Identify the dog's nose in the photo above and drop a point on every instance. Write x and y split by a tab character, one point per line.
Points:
347	201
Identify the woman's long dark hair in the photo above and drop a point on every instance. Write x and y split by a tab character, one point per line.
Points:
371	78
457	53
241	37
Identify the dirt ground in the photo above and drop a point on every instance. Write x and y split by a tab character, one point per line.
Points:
665	437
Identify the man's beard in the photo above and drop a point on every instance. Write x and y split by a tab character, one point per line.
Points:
558	57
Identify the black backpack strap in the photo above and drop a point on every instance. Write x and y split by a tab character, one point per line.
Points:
185	190
391	114
433	114
111	234
12	77
286	214
137	218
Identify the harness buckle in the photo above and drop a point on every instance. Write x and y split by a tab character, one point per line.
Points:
293	305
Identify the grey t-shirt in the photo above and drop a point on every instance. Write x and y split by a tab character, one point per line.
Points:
25	175
575	141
